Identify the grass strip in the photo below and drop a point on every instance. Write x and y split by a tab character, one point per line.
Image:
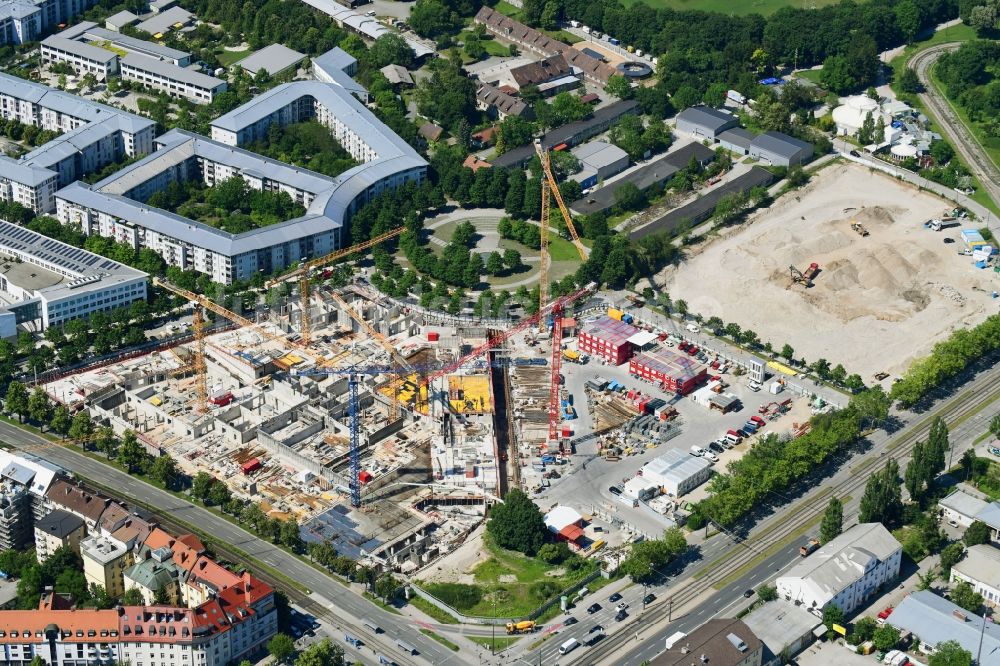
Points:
440	639
381	604
722	559
432	611
500	643
768	552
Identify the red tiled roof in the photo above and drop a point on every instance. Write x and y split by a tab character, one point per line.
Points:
77	626
185	556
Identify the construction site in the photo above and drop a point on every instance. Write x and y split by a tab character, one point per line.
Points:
843	269
382	430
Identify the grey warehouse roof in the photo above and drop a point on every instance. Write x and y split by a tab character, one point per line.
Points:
131	44
335	58
736	136
272	59
165	20
706	116
934	620
982	563
963	503
171	71
124	17
780	144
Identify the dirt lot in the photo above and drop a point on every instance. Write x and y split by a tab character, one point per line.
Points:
877	303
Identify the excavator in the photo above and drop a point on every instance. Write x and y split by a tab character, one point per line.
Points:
859	229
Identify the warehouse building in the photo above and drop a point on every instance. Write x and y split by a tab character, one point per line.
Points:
599	160
705	122
676	373
932	619
845	572
656	172
273	59
83	58
27	20
780	149
608	338
736	140
702	208
980	568
677	472
171	79
571	134
166	20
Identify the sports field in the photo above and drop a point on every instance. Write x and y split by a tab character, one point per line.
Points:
763	7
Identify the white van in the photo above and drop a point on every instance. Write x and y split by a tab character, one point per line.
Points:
693	328
569	646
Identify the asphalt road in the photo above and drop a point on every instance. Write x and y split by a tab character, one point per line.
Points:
347	607
848	481
961	137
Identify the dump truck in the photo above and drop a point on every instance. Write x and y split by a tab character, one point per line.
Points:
809	547
525	627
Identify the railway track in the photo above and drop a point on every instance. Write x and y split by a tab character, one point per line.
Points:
966	143
784	524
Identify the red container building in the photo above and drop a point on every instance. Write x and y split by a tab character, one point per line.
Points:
674	372
250	466
608	339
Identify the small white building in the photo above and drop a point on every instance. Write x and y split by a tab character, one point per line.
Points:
640	488
851	114
676	472
961	507
844	572
562	516
981	569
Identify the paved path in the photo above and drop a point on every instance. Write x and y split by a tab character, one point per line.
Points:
965	142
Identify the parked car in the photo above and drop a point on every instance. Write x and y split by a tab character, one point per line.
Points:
593	608
716	447
569	621
622	606
615	598
621	615
697	451
615	490
649	598
710	457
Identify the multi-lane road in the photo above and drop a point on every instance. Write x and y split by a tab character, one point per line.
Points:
967	145
329	598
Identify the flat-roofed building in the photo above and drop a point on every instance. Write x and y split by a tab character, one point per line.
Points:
273	59
104	562
677	472
980	568
609	339
705	122
171	79
83	58
718	642
174	18
118	21
664	367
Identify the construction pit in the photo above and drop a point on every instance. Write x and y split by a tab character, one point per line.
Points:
877	302
275	427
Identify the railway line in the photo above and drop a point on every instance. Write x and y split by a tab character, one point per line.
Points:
965	142
983	391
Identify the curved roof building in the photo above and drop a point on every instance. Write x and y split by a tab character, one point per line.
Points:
115	206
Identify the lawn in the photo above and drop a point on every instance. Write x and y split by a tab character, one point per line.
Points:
561	249
763	7
810	75
507	9
509	584
227	58
500	643
563	36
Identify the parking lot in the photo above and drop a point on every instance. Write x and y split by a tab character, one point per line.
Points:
585	482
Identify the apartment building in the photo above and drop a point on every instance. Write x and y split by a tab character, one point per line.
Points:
82	57
15	516
90	32
114	207
58	529
171	79
845	571
104	561
92	136
27	20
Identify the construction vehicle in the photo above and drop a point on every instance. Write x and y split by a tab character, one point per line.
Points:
811	273
797	276
525	627
859	229
809	547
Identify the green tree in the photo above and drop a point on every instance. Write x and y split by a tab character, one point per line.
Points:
290	537
950	556
995	425
512	259
650	555
494	264
219	494
99	597
39	408
554	553
950	653
968	464
74	583
977	533
619	87
863	630
517	524
60	421
131	453
201	485
787	352
882	501
132	597
885	638
833	521
16	400
82	426
281	647
164	470
832	615
387	587
767	593
965	596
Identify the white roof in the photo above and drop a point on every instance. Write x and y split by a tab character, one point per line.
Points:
169	70
560	516
963	504
675	465
272	59
642	338
832	568
981	563
21	469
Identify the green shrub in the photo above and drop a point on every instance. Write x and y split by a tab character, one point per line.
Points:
457	595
